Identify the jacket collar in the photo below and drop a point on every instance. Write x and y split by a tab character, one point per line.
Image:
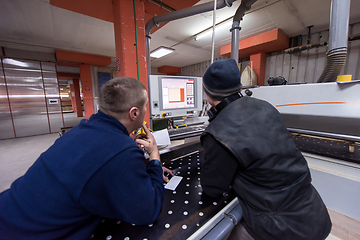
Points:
109	120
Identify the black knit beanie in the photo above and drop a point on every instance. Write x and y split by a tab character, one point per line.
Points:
222	79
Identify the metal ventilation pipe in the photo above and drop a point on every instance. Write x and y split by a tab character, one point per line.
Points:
244	6
338	40
178	15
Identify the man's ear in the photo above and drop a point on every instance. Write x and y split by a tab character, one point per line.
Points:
133	113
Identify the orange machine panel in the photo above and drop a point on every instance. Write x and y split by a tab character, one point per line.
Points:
270	41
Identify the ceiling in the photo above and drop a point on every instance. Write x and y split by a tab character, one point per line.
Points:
36	25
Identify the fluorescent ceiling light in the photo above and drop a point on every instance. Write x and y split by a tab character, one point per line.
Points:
204	34
209	32
161	51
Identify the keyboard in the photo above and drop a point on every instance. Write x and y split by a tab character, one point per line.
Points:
186	132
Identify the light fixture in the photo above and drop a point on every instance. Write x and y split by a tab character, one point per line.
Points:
209	31
161	51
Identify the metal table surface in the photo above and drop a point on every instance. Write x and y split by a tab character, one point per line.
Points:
184	211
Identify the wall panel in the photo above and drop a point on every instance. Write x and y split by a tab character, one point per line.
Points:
279	66
311	60
272	67
52	96
244	64
6	125
197	69
320	62
27	98
300	75
294	65
267	69
286	66
352	61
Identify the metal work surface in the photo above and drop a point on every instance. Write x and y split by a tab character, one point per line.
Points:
185	210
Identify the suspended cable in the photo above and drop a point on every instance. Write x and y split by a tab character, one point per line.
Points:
213	35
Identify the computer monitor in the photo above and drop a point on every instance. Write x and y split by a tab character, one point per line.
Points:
175	96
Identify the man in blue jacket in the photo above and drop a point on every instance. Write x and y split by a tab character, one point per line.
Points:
94	171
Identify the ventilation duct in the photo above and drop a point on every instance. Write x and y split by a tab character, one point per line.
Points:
338	40
178	15
244	6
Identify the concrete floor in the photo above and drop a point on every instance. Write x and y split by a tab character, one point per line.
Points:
18	154
71	119
35	124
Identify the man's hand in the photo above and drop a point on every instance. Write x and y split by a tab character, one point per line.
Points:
166	170
149	143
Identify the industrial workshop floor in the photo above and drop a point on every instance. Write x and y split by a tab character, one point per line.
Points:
18	154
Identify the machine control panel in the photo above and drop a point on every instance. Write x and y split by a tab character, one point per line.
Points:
169	114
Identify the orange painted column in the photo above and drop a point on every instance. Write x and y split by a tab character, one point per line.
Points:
85	77
78	105
72	96
125	41
258	62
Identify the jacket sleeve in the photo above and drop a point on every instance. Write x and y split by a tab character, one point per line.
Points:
218	168
125	189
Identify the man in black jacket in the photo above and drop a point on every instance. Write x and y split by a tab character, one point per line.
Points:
248	147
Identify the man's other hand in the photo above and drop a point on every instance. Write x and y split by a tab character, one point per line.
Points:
166	172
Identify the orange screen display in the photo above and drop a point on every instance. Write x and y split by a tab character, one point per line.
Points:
176	95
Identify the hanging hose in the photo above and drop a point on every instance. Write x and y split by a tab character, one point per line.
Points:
334	63
136	39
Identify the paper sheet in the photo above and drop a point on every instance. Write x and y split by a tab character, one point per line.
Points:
173	183
162	137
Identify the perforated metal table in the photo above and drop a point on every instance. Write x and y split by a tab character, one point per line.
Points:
184	212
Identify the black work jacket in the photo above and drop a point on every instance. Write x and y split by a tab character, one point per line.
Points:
248	147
